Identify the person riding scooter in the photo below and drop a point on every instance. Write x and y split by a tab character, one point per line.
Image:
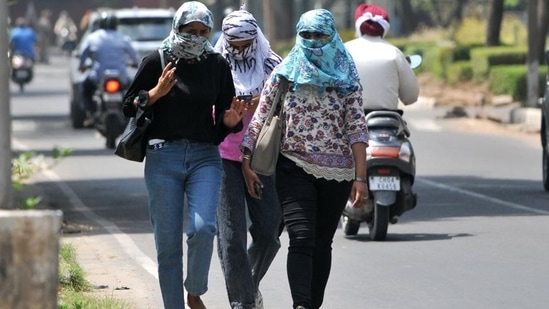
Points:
108	50
23	39
384	72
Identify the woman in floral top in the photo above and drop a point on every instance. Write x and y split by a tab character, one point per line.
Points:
323	150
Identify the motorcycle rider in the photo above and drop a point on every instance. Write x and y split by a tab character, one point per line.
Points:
23	39
384	72
108	50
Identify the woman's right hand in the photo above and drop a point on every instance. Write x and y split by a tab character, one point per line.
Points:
251	178
165	83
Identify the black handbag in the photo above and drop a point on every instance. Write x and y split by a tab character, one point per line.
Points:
133	143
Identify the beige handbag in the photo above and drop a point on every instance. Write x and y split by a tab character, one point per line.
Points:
267	147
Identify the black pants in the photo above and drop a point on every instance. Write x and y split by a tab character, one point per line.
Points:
89	86
311	209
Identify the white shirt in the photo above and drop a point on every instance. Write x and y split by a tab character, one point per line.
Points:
385	74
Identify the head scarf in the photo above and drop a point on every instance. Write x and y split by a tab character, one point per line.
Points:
372	20
247	65
324	63
184	45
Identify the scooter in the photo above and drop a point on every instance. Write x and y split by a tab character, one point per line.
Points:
21	70
391	169
109	118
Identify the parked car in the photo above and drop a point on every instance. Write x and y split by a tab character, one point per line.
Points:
146	28
545	129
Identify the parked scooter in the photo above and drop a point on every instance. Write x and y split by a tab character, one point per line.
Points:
109	118
391	169
21	70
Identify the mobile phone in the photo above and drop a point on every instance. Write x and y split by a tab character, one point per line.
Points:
246	97
258	191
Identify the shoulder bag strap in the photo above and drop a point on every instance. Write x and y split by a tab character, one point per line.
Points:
279	96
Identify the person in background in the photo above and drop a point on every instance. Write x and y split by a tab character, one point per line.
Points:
108	50
194	108
322	162
23	39
66	32
45	36
252	60
384	71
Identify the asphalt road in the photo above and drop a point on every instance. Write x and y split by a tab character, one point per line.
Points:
477	238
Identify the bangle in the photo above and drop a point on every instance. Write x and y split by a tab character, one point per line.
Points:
358	179
246	157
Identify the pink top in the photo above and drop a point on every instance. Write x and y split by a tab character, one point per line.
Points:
229	148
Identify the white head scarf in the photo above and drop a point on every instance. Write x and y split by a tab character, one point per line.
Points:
247	65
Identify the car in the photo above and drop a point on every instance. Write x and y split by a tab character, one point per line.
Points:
545	130
146	28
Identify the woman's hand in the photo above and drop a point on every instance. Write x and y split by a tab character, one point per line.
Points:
359	194
235	113
165	83
250	107
251	178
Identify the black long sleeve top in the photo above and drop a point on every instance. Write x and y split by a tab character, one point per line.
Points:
194	108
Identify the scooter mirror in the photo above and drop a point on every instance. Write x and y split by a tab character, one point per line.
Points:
414	60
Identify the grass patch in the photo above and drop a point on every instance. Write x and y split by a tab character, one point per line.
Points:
73	286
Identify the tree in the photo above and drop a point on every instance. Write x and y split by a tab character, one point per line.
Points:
494	23
533	53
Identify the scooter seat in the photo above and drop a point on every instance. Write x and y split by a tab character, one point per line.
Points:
383	122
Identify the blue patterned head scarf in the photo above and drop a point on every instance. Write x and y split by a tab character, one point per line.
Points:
184	45
320	62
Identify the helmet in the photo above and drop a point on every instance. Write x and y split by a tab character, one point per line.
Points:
108	21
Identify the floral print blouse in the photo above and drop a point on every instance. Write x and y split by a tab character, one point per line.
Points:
320	127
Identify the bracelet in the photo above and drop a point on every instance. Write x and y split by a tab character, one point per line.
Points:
358	179
246	157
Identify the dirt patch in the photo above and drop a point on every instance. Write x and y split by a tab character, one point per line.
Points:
464	94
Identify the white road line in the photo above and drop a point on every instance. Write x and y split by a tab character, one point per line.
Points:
126	243
483	197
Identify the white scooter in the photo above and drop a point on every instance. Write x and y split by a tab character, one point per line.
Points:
391	169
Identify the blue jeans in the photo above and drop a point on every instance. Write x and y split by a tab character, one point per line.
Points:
311	210
178	169
245	266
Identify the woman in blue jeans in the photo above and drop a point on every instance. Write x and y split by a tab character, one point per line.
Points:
323	150
182	159
248	52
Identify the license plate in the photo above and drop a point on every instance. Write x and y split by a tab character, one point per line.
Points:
21	74
112	97
384	183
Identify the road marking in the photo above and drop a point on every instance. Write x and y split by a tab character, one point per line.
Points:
483	197
126	243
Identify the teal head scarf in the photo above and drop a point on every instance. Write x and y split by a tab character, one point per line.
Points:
320	62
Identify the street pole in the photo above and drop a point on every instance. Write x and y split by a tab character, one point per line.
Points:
533	56
6	190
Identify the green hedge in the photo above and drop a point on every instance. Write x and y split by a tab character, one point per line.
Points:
459	71
512	80
484	58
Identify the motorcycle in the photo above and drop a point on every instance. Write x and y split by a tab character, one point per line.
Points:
391	168
21	70
109	119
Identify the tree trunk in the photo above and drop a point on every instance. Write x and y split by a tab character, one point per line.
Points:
494	23
6	187
29	258
543	15
533	56
408	20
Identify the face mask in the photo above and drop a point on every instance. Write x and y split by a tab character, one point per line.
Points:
242	54
188	46
314	43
